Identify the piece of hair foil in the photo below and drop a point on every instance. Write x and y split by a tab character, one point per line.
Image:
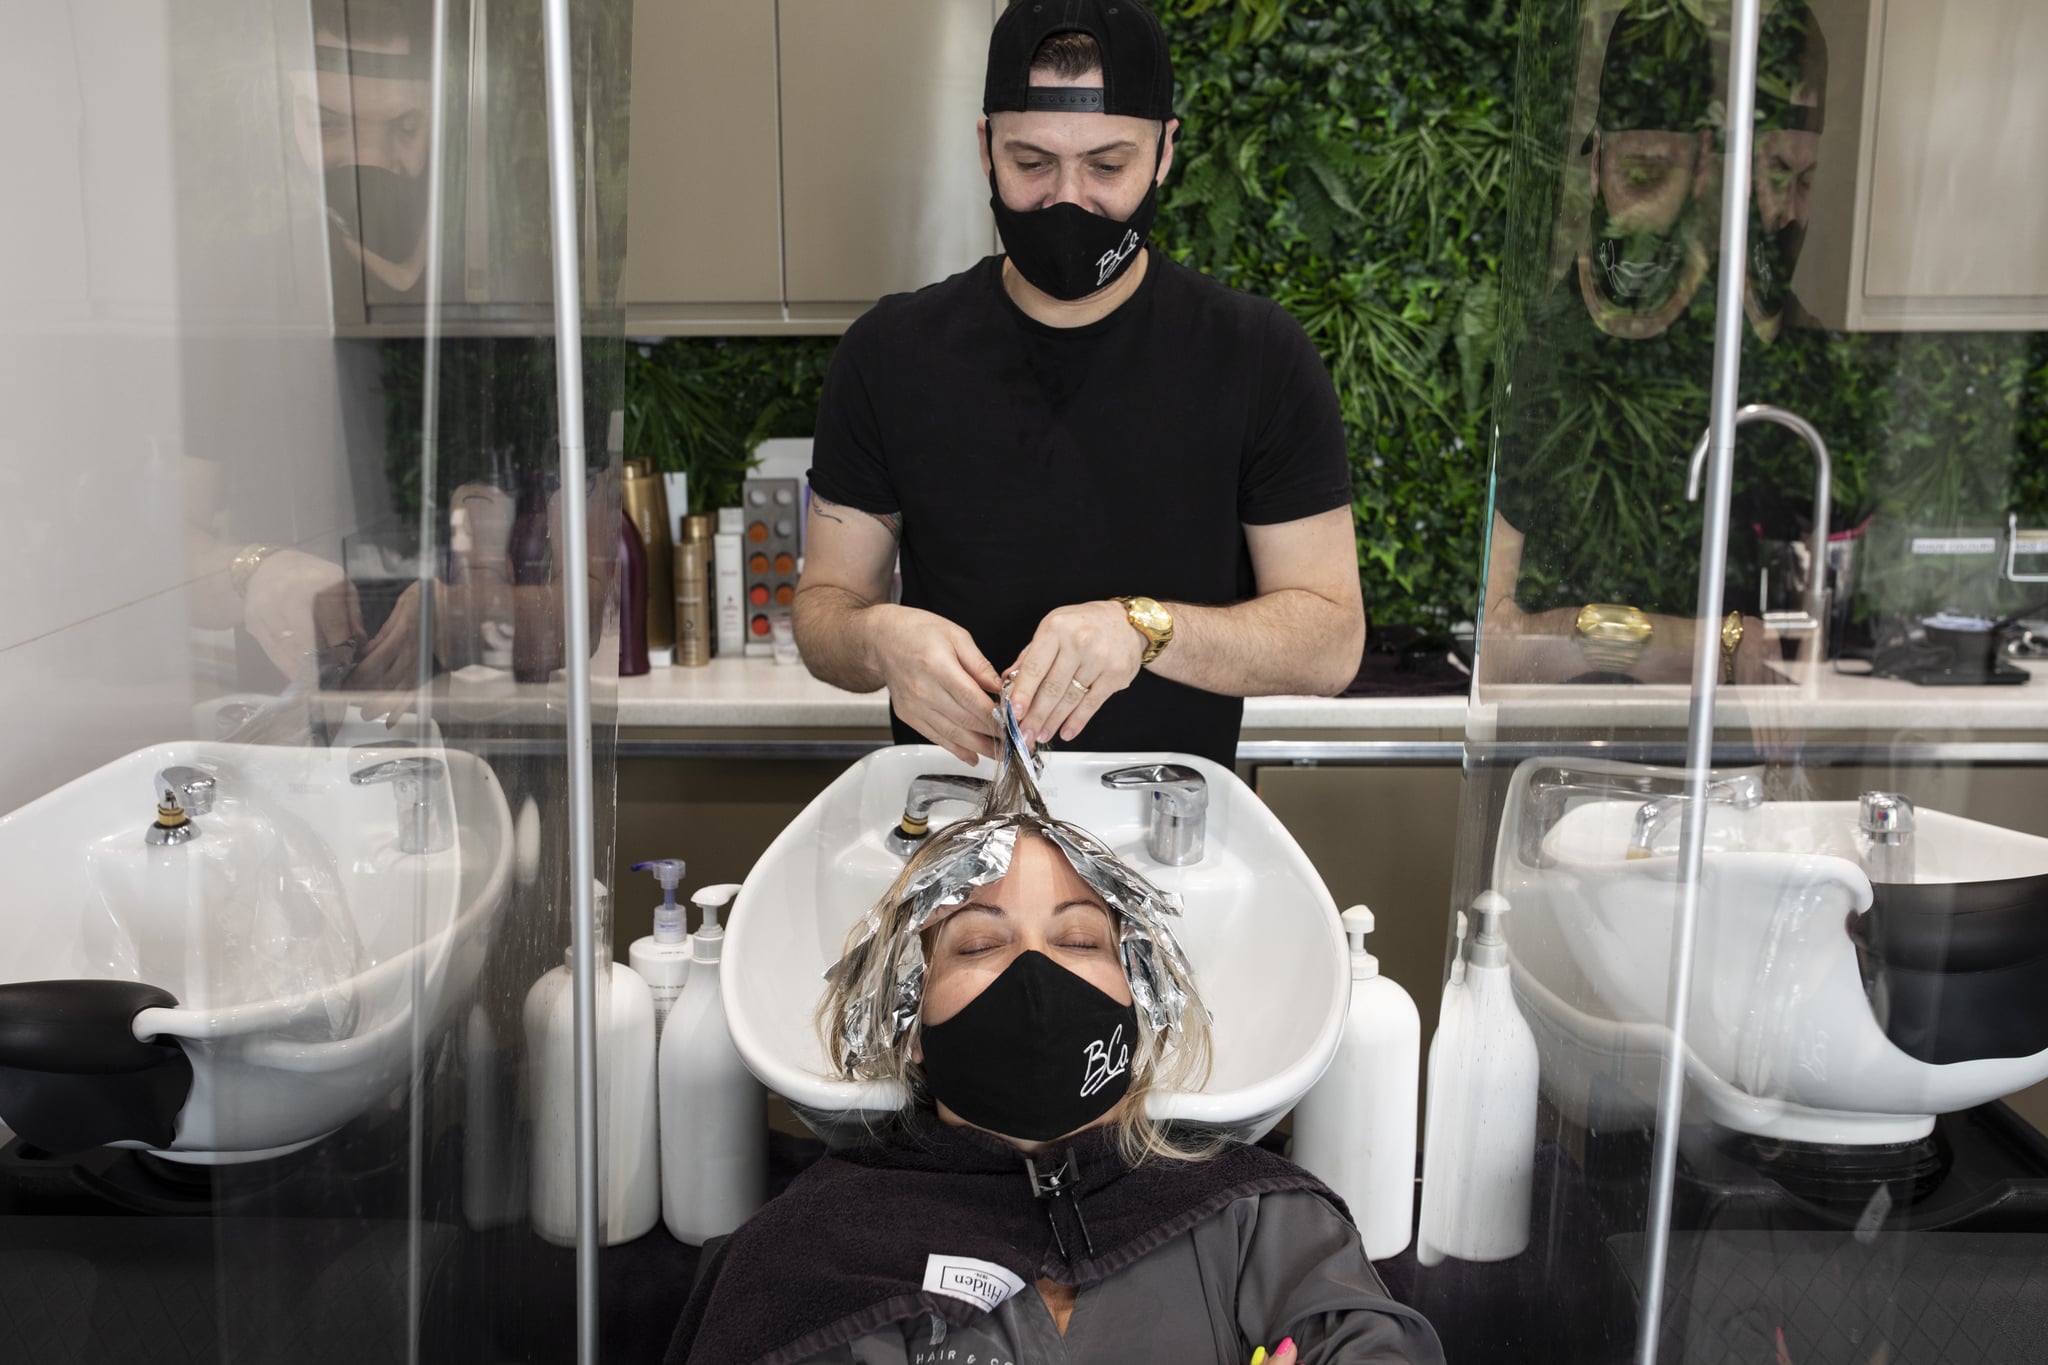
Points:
885	980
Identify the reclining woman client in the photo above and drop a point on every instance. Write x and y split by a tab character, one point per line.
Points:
1024	987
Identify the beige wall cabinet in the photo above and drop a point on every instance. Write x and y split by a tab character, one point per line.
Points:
794	162
1928	209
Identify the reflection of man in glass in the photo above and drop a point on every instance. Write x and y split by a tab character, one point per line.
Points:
1651	144
362	116
1792	66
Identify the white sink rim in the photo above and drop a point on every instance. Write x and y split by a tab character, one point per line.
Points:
825	1101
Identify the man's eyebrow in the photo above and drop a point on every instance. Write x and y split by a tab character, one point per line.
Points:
1018	145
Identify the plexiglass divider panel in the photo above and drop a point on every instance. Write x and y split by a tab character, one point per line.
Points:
1857	1170
296	820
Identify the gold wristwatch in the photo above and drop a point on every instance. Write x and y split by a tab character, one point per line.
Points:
244	565
1150	620
1612	636
1731	636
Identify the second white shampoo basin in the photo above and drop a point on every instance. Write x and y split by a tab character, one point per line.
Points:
1259	928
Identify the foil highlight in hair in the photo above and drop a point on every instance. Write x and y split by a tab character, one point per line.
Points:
883	974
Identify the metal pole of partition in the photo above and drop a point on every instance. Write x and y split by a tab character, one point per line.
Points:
576	601
422	704
1706	654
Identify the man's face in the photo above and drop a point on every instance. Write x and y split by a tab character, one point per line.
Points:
1102	162
342	120
1646	176
1785	159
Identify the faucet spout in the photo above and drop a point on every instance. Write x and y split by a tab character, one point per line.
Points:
1823	494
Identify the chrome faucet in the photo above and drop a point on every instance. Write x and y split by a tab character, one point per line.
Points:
925	792
1815	622
181	793
1884	836
1743	791
1180	809
421	826
1553	785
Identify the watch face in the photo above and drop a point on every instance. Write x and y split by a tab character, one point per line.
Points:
1150	616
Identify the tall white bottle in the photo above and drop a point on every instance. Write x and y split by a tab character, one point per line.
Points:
663	957
1479	1146
629	1189
714	1118
1355	1130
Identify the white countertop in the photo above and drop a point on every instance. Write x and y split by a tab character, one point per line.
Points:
752	693
759	693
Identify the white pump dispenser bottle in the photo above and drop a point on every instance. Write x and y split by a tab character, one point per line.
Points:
663	957
1355	1130
714	1119
1479	1148
629	1191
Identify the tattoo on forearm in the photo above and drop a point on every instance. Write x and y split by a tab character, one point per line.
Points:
830	511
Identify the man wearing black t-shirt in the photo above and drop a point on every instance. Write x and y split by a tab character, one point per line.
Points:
1120	478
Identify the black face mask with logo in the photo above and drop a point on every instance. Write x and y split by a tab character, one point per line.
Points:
1067	251
1038	1054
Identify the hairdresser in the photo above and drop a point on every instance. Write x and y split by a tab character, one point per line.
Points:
1103	471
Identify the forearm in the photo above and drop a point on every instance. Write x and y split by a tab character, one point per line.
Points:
1289	642
831	634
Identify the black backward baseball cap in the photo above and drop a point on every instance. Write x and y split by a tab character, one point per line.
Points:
1137	69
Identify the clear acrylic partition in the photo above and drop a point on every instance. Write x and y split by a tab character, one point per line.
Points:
280	360
1847	1163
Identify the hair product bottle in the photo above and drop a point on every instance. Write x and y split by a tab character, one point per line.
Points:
536	613
714	1121
694	625
628	1184
1356	1129
642	495
663	957
1479	1148
632	601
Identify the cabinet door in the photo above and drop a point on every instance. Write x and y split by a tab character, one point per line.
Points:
882	186
1958	205
703	222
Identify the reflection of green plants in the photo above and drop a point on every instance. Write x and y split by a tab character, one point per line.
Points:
700	406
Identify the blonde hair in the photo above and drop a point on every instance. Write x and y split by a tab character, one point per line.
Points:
1175	1058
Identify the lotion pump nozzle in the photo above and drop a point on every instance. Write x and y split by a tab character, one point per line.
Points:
1357	924
710	935
669	926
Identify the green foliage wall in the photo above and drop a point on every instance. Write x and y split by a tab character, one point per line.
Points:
1356	160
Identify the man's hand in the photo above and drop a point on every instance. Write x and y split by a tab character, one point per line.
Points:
1078	658
302	610
938	681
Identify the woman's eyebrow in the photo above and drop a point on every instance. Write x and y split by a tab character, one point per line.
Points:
1080	903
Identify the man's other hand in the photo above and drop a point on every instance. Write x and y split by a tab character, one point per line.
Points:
938	681
1079	657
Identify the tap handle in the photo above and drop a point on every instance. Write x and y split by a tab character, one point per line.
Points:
1887	815
1182	787
187	788
411	769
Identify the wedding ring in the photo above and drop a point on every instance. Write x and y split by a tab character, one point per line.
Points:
1076	682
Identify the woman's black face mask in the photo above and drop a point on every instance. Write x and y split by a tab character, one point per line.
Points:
1067	251
1038	1054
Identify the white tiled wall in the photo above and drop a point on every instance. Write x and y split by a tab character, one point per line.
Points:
165	361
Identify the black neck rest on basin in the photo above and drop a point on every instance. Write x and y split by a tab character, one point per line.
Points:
1958	971
74	1075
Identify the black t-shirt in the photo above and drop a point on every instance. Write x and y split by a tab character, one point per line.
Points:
1035	467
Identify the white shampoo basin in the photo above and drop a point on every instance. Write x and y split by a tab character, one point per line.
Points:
1260	930
1786	1036
309	956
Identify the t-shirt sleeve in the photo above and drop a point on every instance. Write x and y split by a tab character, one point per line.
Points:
849	461
1302	1273
1296	465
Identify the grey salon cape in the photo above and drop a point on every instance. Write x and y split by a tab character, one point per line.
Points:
1265	1267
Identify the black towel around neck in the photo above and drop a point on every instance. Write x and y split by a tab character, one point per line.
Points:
843	1251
